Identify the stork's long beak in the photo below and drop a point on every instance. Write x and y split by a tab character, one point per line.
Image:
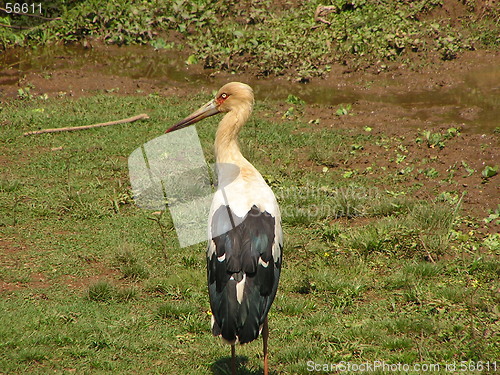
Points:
205	111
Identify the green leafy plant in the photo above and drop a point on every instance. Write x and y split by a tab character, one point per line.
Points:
492	241
489	171
24	93
343	110
430	172
437	139
494	216
433	139
292	99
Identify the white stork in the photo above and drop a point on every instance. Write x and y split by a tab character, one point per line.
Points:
245	239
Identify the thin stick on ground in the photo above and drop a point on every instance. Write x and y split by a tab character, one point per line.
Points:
69	129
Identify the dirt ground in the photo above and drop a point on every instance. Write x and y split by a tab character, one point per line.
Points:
397	102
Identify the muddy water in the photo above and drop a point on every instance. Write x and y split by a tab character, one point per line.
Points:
475	102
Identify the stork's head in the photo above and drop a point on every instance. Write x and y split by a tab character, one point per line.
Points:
230	97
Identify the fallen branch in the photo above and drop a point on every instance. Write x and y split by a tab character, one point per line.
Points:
56	130
324	10
15	27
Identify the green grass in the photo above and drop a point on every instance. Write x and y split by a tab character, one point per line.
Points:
368	274
101	291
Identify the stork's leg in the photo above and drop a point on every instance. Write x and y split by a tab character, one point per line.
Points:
265	336
233	360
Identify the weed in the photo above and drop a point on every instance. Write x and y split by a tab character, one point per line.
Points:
8	186
344	110
449	197
489	171
32	355
425	230
189	261
295	307
101	291
304	285
430	172
438	139
356	147
99	340
328	157
492	242
349	173
433	139
160	43
484	268
449	47
134	271
176	311
494	216
331	233
127	294
289	114
130	267
400	158
191	60
469	170
422	269
370	240
292	99
455	294
390	205
433	218
24	93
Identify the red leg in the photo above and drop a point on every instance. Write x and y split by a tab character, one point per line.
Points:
265	336
233	360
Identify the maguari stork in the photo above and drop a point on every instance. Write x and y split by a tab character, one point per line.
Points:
245	238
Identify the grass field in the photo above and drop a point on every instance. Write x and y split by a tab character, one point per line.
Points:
92	284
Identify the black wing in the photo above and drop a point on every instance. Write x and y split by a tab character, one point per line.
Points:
242	272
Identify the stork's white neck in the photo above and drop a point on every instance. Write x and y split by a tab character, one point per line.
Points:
227	149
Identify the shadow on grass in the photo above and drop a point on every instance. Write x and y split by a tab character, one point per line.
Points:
223	367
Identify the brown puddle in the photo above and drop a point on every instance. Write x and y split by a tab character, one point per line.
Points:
474	102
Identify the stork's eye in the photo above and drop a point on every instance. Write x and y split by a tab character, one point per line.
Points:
224	96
